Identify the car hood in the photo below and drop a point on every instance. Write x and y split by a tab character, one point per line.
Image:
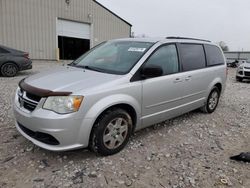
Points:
69	79
246	65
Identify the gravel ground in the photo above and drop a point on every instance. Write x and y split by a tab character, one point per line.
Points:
192	150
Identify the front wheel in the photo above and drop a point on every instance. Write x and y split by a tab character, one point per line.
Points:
239	79
212	101
111	132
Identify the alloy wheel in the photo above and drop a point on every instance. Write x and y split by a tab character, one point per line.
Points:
213	101
115	133
9	69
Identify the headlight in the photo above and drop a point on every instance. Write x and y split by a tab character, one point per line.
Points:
240	67
63	104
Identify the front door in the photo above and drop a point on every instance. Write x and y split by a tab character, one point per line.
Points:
162	96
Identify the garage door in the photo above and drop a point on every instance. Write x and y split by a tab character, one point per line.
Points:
73	39
73	29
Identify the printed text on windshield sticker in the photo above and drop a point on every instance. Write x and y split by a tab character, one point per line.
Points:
133	49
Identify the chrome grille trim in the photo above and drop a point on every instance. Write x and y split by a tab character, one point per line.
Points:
26	102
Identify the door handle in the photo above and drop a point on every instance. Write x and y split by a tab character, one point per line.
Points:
188	78
177	80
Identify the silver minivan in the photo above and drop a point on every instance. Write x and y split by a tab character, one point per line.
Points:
116	88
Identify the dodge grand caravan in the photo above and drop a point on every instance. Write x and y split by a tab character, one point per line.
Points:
117	88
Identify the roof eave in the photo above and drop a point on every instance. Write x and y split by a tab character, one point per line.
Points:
113	13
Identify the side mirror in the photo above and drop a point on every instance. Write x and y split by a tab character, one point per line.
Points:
151	71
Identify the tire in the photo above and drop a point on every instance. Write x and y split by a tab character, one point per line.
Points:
9	69
239	79
212	101
111	132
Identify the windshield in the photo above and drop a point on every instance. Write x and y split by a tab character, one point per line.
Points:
115	57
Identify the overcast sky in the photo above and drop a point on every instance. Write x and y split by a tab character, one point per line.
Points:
216	20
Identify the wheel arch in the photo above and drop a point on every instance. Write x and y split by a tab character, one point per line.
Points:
128	108
218	83
18	67
219	86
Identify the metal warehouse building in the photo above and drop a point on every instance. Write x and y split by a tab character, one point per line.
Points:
52	29
237	55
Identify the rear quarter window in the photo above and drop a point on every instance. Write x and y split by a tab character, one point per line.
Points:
214	55
192	56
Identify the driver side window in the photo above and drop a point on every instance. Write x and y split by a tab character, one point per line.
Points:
166	57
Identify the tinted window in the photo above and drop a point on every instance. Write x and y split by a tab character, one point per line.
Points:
165	57
193	56
214	55
3	51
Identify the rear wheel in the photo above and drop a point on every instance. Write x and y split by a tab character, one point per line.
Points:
9	69
111	132
212	101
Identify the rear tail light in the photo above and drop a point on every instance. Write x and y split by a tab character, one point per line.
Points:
26	55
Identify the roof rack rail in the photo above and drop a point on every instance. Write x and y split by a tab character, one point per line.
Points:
188	38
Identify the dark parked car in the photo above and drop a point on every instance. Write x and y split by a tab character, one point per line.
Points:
233	63
12	61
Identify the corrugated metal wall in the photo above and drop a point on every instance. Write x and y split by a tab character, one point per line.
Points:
30	25
114	27
237	55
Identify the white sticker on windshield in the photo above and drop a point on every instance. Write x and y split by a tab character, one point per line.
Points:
133	49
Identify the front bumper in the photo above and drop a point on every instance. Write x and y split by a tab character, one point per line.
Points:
243	73
70	132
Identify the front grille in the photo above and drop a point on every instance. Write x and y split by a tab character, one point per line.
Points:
33	97
246	67
42	137
27	100
247	73
28	105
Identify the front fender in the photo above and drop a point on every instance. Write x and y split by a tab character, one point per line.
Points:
110	101
103	104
